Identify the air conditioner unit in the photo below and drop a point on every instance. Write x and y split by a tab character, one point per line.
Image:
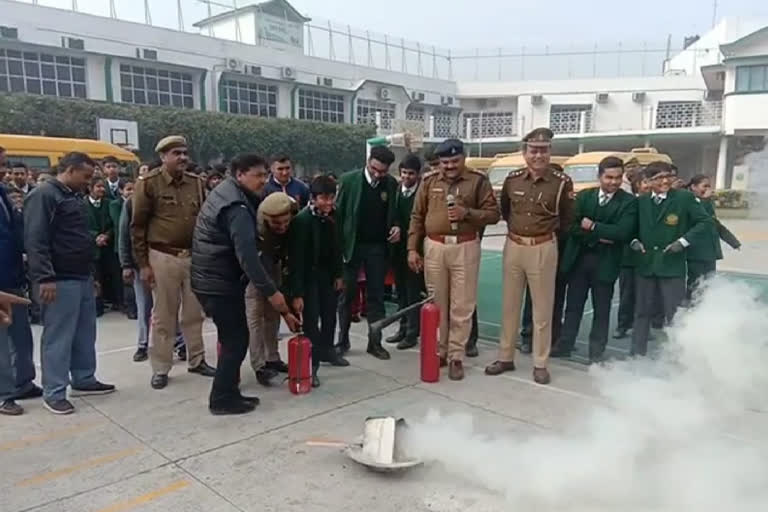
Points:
418	96
287	73
253	70
72	43
146	54
385	94
234	65
9	32
601	97
638	97
328	82
446	100
537	99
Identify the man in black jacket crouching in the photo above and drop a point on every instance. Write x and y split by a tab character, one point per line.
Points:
225	258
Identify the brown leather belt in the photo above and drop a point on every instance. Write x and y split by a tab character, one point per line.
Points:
167	249
531	240
453	239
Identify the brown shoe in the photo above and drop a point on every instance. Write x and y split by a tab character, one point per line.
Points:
541	376
443	362
456	371
499	367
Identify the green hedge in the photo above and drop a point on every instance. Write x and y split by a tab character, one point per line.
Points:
731	199
211	135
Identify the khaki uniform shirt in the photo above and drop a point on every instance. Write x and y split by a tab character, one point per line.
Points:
471	189
537	206
165	211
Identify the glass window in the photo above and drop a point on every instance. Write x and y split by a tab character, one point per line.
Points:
250	98
752	78
141	86
36	73
321	106
582	173
367	110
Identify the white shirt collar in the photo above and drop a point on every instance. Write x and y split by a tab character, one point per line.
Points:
605	196
408	191
698	200
373	183
654	195
94	202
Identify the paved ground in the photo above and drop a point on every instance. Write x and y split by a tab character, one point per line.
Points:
146	450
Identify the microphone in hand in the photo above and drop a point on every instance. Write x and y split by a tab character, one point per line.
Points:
450	201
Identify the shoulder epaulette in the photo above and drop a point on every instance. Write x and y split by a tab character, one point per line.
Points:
152	173
429	174
475	171
516	173
561	175
193	175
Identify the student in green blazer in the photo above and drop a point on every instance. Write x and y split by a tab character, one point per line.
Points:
102	231
409	284
605	219
668	220
704	251
115	210
315	272
366	219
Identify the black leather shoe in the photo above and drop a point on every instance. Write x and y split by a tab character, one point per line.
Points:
181	353
315	380
278	366
265	376
140	355
471	349
334	359
378	351
203	369
397	338
159	381
343	347
251	399
406	344
234	407
33	392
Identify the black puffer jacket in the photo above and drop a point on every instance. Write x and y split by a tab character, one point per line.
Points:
225	254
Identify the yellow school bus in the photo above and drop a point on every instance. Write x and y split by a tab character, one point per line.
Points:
44	153
479	163
582	168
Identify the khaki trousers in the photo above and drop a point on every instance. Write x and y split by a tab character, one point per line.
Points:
263	328
451	273
173	289
535	265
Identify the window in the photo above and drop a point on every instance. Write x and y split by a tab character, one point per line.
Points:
321	106
249	98
149	86
446	123
367	109
568	118
489	124
752	78
42	73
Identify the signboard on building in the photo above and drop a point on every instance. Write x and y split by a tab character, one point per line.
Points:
280	30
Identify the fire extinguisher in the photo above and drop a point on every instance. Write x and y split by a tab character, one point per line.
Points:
299	364
430	360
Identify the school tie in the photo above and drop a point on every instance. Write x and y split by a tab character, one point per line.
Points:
603	199
657	200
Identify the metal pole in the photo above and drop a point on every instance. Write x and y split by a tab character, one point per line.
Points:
148	13
434	62
112	10
387	61
74	5
500	53
351	47
181	15
594	62
522	63
404	63
331	50
370	53
477	62
450	66
238	34
419	68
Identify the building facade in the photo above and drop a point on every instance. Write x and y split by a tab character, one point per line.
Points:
252	62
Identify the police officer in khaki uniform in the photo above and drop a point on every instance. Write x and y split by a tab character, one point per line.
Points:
537	203
165	207
451	207
274	217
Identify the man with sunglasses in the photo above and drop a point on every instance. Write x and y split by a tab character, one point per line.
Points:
166	203
668	219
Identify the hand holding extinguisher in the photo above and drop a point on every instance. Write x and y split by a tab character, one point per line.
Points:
278	302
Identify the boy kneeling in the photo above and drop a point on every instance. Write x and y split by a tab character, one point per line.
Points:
315	272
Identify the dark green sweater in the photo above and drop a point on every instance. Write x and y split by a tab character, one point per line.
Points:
115	209
100	222
313	248
706	247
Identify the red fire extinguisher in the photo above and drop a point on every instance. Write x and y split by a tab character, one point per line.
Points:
299	364
430	360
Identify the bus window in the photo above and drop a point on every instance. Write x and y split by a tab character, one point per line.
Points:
34	162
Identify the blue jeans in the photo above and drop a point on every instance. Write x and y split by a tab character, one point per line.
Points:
144	313
22	346
68	343
7	382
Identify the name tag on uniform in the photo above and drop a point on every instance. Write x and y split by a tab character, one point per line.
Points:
518	192
438	190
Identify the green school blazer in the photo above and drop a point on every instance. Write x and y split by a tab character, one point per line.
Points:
679	215
615	226
707	247
348	204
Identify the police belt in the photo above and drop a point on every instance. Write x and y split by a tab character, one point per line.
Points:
167	249
531	240
453	239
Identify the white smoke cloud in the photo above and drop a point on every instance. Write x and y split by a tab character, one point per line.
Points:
660	440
